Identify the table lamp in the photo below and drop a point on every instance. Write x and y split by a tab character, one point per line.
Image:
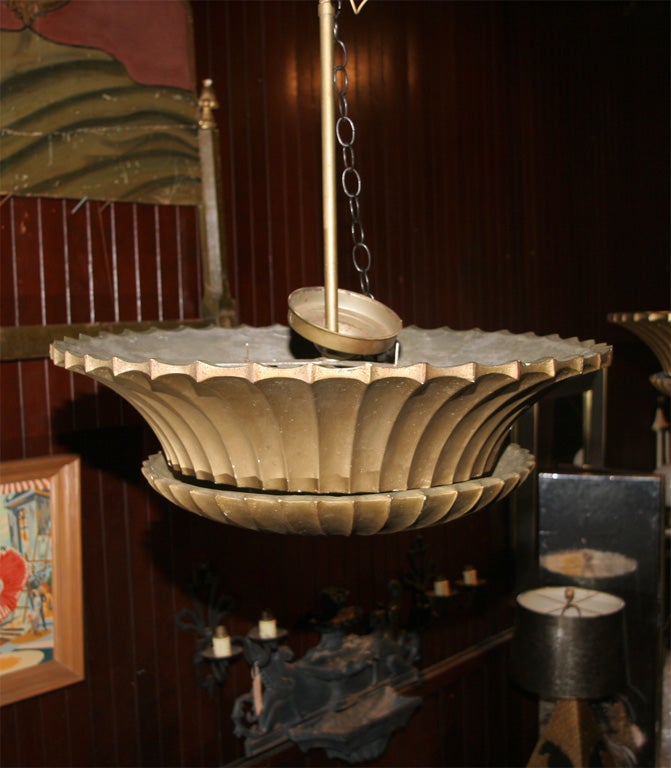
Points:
569	646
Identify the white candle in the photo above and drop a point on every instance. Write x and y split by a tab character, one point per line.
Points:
221	642
267	626
470	576
441	587
257	688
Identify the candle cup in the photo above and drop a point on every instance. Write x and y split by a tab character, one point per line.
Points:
470	576
441	587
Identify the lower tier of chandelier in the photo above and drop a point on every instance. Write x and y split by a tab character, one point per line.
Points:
325	514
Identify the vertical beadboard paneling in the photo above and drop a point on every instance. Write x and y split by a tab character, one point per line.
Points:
129	265
11	407
102	262
147	244
54	269
7	265
25	261
484	145
149	631
61	265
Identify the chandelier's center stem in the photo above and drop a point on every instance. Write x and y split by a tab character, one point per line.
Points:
340	321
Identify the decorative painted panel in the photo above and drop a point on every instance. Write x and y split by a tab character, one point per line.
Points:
86	112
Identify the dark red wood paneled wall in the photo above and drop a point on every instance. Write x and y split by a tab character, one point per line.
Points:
69	261
506	151
515	166
514	160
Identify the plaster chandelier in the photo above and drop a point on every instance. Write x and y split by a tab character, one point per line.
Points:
654	329
414	434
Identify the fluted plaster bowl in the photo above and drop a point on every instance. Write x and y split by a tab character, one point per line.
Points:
653	328
231	407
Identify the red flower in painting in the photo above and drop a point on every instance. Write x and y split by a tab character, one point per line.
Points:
13	575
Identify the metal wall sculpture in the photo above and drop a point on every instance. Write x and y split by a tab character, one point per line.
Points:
339	697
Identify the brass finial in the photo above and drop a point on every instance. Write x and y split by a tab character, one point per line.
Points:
569	595
207	103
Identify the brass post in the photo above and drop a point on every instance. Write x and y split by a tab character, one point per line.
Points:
326	15
217	304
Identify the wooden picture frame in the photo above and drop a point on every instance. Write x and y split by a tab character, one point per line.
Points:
40	512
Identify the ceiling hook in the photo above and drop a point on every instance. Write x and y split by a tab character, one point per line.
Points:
356	8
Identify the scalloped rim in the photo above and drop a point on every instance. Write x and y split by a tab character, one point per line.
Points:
512	469
653	329
645	316
596	356
661	382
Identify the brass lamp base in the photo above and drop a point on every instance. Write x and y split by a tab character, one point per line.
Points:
572	737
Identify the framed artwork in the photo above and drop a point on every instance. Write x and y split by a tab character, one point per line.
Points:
41	625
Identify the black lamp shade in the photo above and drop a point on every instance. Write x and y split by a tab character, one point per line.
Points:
569	646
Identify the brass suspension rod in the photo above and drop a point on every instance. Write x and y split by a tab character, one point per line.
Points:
326	15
